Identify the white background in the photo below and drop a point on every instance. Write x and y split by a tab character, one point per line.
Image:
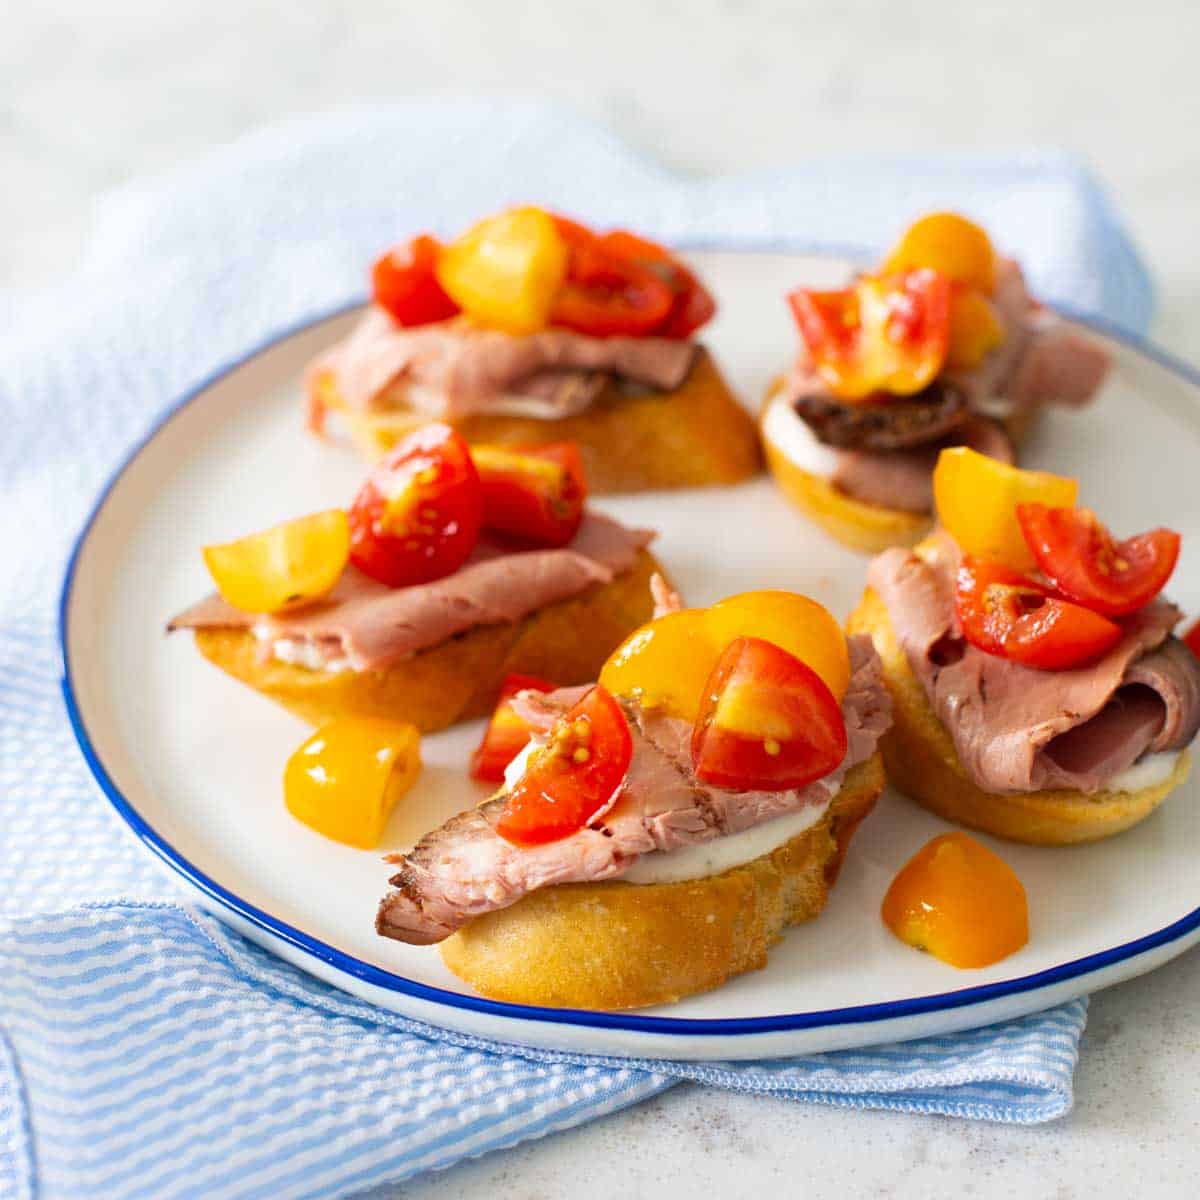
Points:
92	94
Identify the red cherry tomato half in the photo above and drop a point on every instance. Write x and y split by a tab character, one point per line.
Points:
1191	639
417	516
571	779
1005	613
533	493
607	296
693	305
506	734
767	721
403	282
1084	562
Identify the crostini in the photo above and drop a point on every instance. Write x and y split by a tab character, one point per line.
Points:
942	346
530	328
663	826
452	569
1040	694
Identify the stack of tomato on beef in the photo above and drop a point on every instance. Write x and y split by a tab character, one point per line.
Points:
453	567
655	832
532	327
1040	691
942	346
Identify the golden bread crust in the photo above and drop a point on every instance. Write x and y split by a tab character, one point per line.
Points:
697	435
566	642
922	763
624	945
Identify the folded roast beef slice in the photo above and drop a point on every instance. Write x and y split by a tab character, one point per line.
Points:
1016	729
903	479
465	869
374	625
465	369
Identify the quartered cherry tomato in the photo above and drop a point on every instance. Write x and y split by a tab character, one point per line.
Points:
507	734
404	283
574	777
283	567
1005	613
605	295
950	244
767	721
887	333
417	517
534	493
977	498
1083	560
693	305
958	901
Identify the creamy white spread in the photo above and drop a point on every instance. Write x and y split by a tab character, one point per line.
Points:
706	858
789	433
299	652
1149	771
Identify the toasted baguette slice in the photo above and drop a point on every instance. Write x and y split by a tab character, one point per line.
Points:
696	435
565	642
855	523
922	763
626	945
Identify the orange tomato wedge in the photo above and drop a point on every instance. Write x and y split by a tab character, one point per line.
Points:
958	901
667	663
506	271
950	244
977	498
975	329
282	567
347	777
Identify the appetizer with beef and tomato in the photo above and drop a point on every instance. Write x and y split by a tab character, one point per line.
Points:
942	346
453	567
1040	692
531	327
657	831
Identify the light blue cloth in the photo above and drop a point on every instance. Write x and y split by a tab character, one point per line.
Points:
146	1050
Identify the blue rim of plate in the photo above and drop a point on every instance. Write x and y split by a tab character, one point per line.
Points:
630	1022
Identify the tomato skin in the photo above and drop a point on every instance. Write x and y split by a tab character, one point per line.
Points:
403	282
506	734
524	499
767	721
887	333
607	296
417	517
1007	614
1084	562
571	779
693	304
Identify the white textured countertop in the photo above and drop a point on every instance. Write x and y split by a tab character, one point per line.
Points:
94	94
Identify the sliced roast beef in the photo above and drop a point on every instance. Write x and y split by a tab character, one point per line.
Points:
1017	729
903	479
465	869
373	625
451	369
894	424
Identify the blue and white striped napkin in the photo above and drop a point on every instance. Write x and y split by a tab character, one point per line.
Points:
145	1050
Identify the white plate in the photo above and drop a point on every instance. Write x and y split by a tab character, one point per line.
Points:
193	760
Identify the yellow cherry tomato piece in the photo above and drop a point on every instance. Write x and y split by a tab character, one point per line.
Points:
792	622
975	329
282	567
505	271
345	780
665	664
960	902
949	244
977	498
